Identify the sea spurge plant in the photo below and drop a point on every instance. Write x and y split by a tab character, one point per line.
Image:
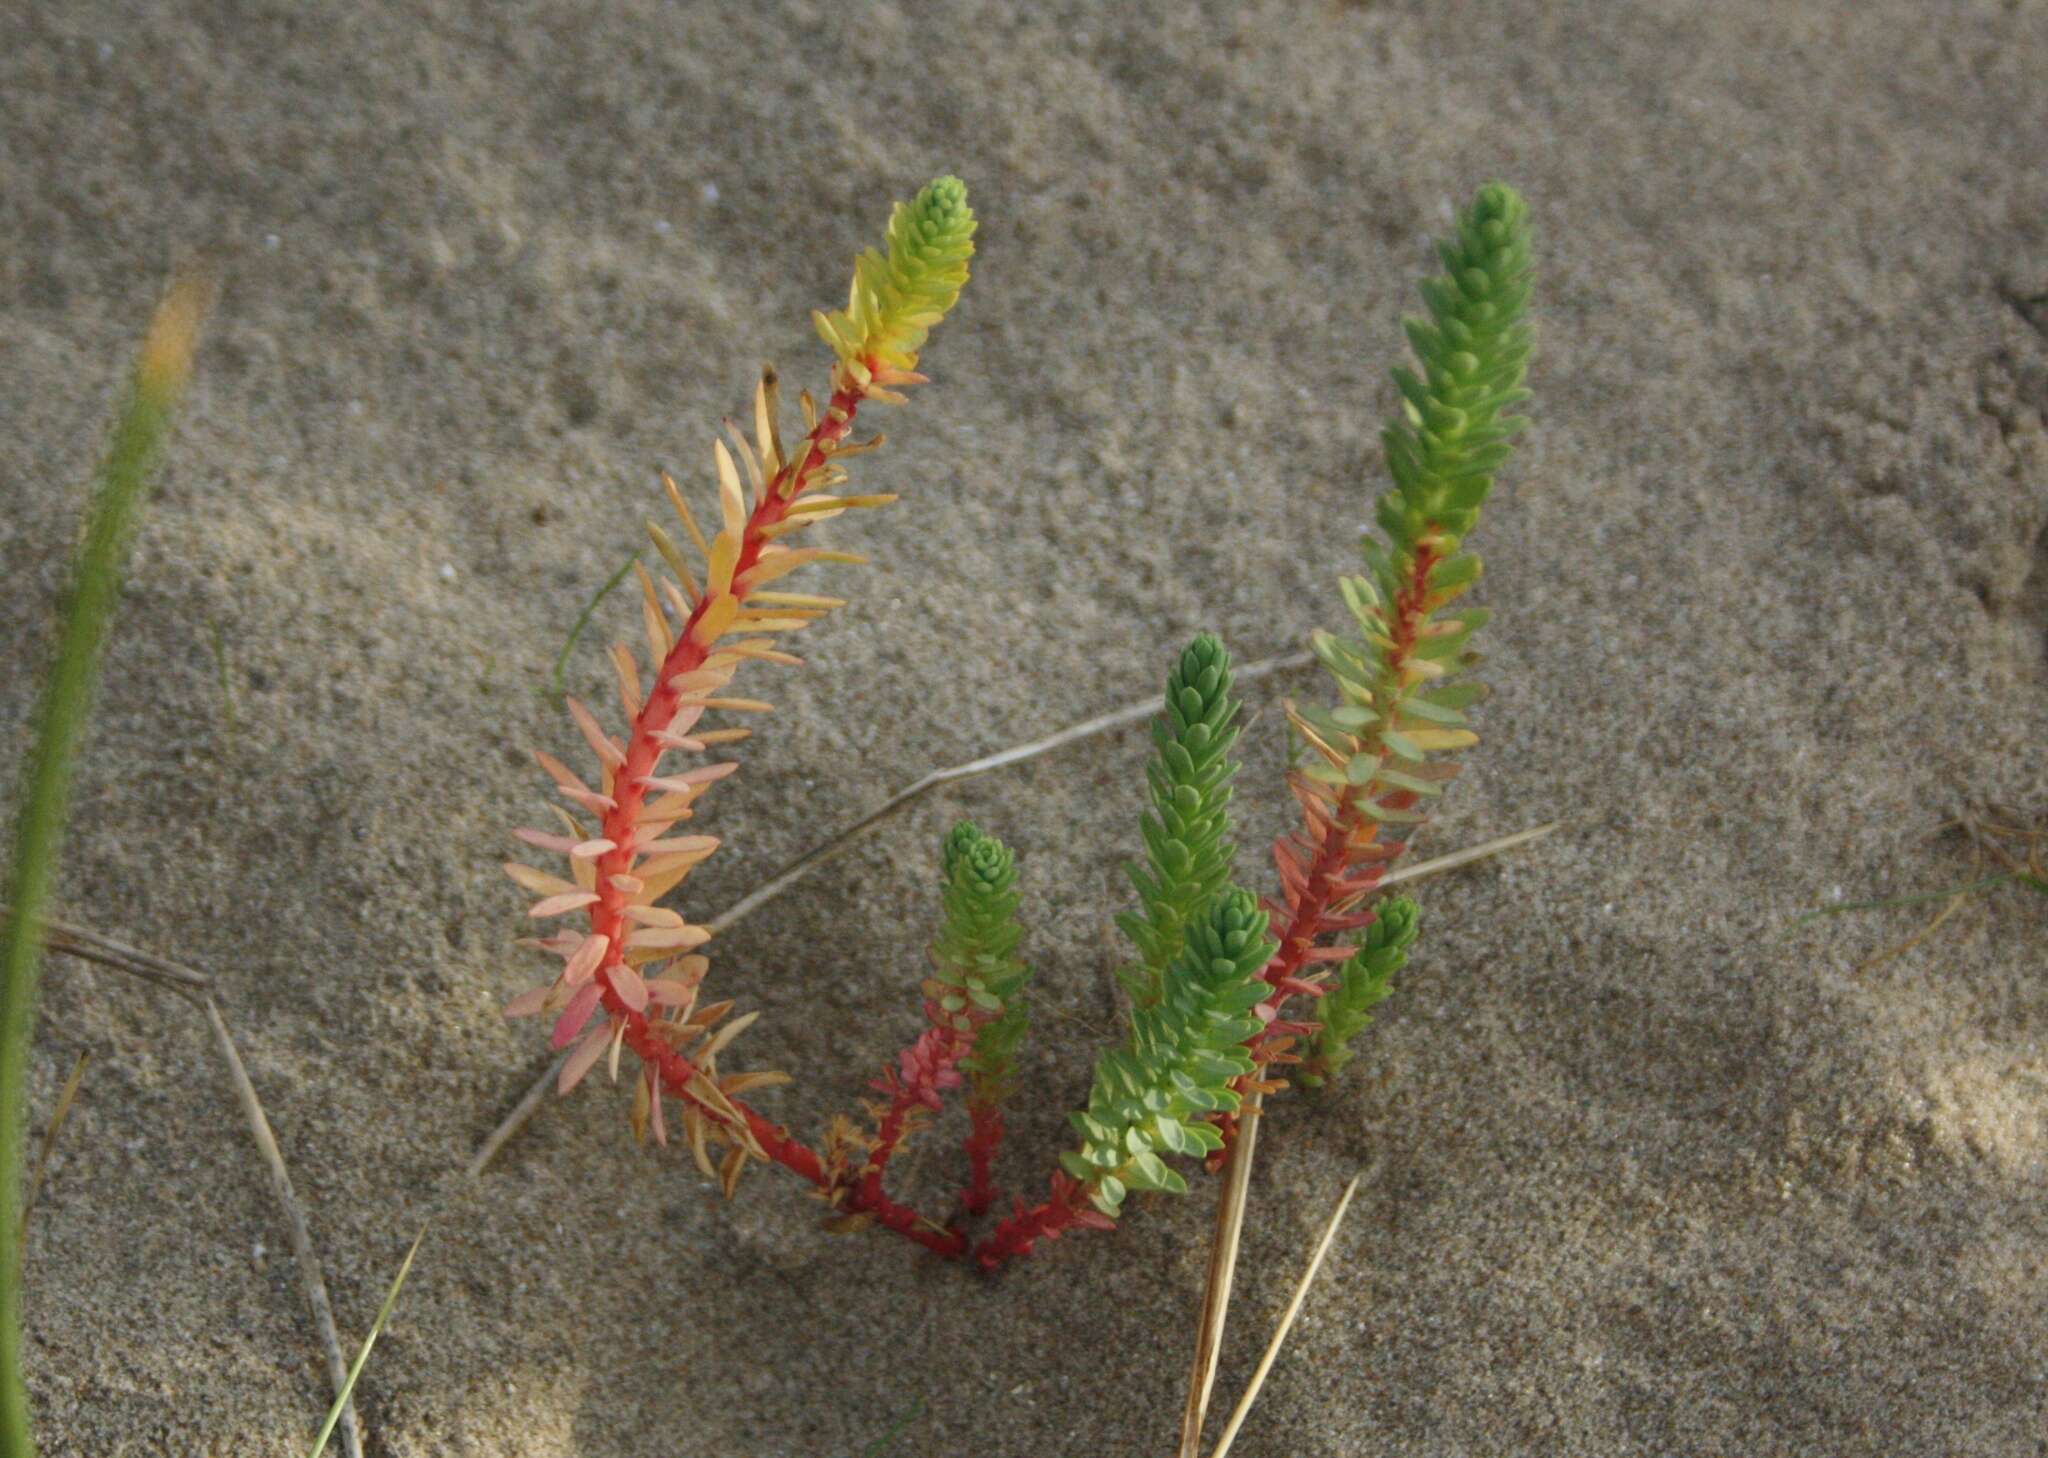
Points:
1188	853
1363	982
1183	1055
897	298
1225	986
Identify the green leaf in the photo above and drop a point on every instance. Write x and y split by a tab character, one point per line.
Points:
362	1357
1456	695
1416	707
1402	745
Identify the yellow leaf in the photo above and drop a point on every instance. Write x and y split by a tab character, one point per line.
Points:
717	613
732	497
725	554
675	499
767	434
1440	738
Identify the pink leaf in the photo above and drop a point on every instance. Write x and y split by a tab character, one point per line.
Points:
528	1003
584	1058
669	991
586	959
654	1106
627	984
567	901
601	744
541	840
662	937
577	1013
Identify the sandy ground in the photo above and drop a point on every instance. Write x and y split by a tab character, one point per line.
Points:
1771	580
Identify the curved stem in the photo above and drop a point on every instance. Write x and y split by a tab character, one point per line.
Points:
622	822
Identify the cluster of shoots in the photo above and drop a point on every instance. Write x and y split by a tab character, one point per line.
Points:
1231	993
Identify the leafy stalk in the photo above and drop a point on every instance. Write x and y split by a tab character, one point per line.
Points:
1364	980
1376	756
1152	1097
978	981
976	959
637	970
1188	852
1180	1060
895	300
975	1008
161	370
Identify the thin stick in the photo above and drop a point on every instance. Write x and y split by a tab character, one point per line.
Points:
810	860
57	1118
195	987
1251	1392
1899	949
535	1095
529	1104
90	946
1438	865
1223	1249
302	1240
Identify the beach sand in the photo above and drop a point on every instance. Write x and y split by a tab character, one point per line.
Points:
1653	1170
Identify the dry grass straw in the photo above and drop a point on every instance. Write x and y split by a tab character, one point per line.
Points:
1223	1248
1995	837
1286	1322
196	989
58	1117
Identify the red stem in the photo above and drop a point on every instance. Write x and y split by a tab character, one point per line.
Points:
622	822
980	1148
1015	1236
1321	899
923	1088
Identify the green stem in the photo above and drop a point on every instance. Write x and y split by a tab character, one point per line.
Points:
160	373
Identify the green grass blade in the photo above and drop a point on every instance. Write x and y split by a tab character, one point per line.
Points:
161	369
1918	898
363	1357
582	622
887	1441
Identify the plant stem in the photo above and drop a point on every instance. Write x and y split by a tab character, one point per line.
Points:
1016	1235
679	1075
1331	887
985	1137
161	369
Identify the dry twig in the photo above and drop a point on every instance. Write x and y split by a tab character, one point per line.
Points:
57	1118
1272	1354
195	987
1222	1272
